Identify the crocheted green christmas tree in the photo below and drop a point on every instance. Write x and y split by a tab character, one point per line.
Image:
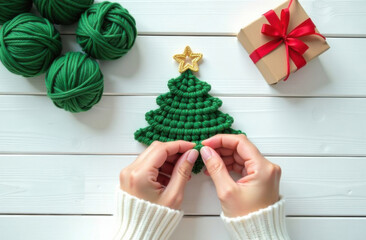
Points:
187	113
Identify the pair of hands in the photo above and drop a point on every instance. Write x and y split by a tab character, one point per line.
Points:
160	174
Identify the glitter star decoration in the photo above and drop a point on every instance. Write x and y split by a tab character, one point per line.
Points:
188	60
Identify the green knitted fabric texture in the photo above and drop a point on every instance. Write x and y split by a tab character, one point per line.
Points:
188	113
28	45
75	82
63	12
106	31
11	8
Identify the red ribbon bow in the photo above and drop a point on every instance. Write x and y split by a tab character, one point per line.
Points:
277	28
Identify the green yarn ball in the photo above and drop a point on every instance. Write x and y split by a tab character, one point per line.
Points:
11	8
75	82
106	31
63	12
28	45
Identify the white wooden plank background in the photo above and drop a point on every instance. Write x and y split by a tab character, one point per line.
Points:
226	17
74	184
100	228
135	75
279	126
97	228
58	170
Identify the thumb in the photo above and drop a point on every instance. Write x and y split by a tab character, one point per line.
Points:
182	172
216	168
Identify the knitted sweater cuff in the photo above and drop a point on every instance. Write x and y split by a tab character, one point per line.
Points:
143	220
268	223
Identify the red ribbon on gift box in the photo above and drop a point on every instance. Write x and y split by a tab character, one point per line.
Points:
277	28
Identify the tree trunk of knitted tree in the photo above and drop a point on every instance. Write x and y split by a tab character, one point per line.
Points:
187	113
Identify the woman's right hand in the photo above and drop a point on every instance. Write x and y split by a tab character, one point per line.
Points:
259	186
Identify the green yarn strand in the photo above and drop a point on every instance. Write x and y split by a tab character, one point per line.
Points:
63	12
11	8
187	113
75	82
106	31
28	45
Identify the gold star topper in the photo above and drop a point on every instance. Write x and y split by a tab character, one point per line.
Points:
188	60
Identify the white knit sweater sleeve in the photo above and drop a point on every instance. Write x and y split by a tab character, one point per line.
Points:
264	224
138	219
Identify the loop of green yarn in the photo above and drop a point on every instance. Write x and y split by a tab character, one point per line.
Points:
188	112
106	31
28	45
63	12
11	8
75	82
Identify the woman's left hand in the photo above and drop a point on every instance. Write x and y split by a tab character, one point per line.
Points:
160	174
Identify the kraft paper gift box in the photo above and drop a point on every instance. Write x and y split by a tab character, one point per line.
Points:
273	66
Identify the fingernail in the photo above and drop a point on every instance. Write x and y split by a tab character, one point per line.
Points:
203	142
206	153
192	156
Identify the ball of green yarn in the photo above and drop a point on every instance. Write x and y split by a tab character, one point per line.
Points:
106	31
75	82
11	8
62	11
29	44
